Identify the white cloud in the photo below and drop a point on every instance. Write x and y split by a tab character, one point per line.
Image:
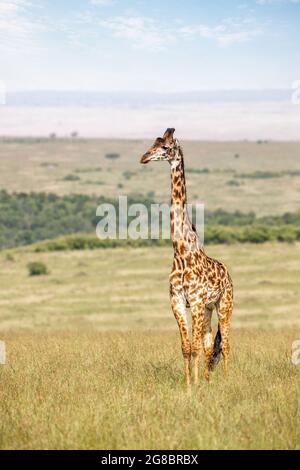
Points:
229	31
147	33
101	2
20	28
17	28
274	2
143	32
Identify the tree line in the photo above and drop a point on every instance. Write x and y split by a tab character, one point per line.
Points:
27	218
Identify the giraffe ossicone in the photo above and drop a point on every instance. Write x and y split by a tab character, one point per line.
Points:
197	281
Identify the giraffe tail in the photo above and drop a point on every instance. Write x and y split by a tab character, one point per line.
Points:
215	356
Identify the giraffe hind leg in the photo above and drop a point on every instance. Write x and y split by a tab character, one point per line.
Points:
221	344
201	316
216	352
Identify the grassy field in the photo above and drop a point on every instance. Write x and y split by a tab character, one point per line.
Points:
33	165
128	288
94	359
126	391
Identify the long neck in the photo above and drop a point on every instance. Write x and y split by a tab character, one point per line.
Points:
178	186
182	231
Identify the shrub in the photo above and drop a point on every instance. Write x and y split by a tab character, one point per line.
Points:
37	268
48	164
257	234
197	170
112	156
88	169
128	174
99	183
71	178
267	174
218	234
233	183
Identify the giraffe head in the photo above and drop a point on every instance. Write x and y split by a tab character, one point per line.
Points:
165	148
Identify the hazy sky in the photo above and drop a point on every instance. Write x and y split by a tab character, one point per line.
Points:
152	45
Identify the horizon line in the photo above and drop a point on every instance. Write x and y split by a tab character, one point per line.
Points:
199	90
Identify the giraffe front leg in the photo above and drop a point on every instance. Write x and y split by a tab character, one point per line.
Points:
178	304
207	341
197	327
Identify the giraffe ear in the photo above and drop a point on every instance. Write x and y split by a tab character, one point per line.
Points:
168	135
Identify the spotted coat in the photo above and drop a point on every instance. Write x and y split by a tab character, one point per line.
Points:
197	281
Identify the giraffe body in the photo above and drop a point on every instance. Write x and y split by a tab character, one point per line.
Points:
197	281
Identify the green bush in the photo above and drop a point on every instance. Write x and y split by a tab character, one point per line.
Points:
98	183
214	234
88	169
28	218
71	178
256	234
267	174
112	156
37	268
233	183
197	170
128	174
220	235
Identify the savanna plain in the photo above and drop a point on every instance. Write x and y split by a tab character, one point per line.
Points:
93	357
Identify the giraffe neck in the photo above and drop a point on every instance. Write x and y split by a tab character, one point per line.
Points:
178	186
182	231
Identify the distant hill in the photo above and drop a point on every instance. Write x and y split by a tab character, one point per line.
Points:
141	99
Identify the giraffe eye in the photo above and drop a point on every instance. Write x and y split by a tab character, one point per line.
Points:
164	147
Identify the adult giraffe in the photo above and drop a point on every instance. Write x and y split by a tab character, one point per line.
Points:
196	281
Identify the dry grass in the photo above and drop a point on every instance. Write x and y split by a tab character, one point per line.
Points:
126	391
66	385
93	354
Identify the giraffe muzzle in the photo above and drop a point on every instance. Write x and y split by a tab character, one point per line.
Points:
145	158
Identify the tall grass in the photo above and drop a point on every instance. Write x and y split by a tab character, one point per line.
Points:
126	390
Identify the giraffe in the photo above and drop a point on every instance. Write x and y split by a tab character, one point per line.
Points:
196	281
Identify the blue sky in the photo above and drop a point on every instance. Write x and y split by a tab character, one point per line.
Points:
149	45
